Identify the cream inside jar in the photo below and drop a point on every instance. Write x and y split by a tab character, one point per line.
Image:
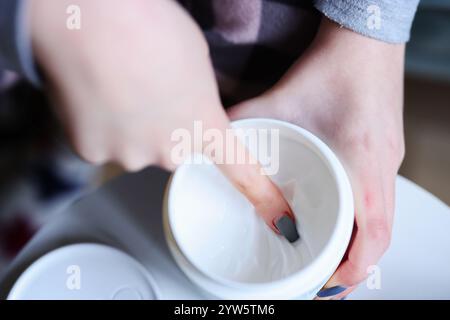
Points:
219	232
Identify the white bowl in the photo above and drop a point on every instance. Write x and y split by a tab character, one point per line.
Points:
206	240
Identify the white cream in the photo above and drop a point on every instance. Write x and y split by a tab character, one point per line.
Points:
231	240
220	232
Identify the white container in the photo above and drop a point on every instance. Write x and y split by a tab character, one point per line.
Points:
215	248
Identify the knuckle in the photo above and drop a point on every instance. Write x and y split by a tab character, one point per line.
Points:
163	157
133	166
397	148
357	273
132	162
167	163
379	232
399	151
92	155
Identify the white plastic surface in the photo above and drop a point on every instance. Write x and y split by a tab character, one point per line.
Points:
85	271
127	213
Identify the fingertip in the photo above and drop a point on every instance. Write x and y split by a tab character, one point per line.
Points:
331	291
287	227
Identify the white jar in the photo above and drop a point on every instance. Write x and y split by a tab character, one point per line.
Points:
209	246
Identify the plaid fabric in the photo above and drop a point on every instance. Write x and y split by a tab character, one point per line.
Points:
253	42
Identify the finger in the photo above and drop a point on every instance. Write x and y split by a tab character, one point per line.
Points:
250	179
328	293
334	294
266	197
372	231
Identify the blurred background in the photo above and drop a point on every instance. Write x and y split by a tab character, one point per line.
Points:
427	100
39	175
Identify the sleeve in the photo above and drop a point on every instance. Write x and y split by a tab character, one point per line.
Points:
15	43
385	20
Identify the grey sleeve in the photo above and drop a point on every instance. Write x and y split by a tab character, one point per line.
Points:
385	20
15	43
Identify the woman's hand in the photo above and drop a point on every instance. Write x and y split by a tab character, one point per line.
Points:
348	90
135	72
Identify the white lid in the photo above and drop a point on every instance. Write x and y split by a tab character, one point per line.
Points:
85	271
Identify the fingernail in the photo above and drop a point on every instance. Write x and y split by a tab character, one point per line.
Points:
287	228
328	292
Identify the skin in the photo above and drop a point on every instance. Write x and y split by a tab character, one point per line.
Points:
128	78
121	96
348	90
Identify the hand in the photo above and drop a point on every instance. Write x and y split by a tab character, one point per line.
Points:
348	89
134	73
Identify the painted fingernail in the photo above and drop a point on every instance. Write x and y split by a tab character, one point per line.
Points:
328	292
287	228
